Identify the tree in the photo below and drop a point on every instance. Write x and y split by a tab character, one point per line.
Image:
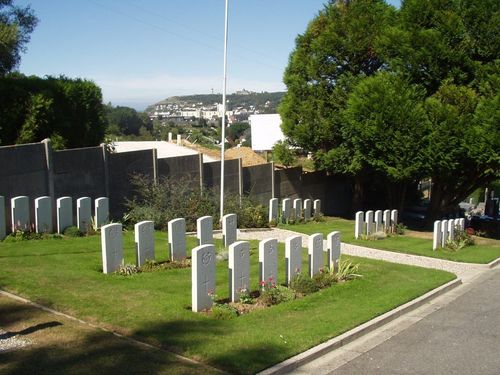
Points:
385	131
336	51
16	25
126	120
284	154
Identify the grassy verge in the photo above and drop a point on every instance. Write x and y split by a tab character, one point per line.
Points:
66	275
480	253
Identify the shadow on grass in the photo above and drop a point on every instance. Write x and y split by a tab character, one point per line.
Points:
184	337
32	329
50	254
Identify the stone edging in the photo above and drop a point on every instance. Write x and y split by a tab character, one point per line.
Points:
494	263
347	337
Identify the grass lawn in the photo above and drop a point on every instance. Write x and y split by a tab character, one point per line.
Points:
66	275
480	253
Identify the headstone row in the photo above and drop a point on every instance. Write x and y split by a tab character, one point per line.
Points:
295	211
370	222
20	214
445	230
203	265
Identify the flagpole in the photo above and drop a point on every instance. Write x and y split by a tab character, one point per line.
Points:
223	140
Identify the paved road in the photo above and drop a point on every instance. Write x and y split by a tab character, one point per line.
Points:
461	336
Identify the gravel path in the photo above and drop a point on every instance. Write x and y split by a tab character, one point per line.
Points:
464	271
9	341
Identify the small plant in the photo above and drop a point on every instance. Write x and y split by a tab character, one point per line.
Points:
347	271
376	236
324	278
319	217
224	312
152	265
462	239
400	229
128	270
245	296
302	284
73	232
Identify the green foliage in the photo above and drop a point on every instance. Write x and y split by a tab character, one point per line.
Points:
127	121
245	296
462	239
73	232
153	266
324	278
69	111
347	270
173	198
16	25
283	154
128	270
223	312
272	294
302	284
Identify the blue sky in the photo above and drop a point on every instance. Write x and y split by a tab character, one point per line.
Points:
140	52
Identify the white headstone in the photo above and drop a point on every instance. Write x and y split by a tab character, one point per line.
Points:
358	226
179	139
144	233
394	218
268	261
101	211
297	209
202	277
386	218
239	269
369	222
315	251
229	228
273	210
461	223
64	212
451	230
293	257
43	215
3	224
112	247
317	207
436	239
204	230
177	239
20	213
444	232
457	225
307	209
286	209
379	225
333	248
84	214
170	136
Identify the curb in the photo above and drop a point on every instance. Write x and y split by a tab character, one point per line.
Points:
349	336
494	263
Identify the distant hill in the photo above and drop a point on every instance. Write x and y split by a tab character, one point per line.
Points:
239	99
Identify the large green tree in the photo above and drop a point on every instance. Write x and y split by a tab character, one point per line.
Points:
16	25
431	114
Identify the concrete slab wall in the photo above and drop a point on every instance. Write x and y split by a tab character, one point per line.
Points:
182	167
122	167
257	181
211	175
288	183
79	173
23	171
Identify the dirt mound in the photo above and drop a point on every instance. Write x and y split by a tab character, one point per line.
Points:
248	156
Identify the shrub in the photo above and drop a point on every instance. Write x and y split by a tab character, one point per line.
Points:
324	278
276	294
128	270
169	199
302	284
347	271
224	312
73	232
462	239
245	296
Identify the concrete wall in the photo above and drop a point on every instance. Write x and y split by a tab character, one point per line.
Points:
232	181
335	192
23	171
121	168
288	183
79	173
257	182
182	167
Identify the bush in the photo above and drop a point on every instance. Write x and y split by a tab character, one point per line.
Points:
462	239
324	278
302	284
224	312
275	294
73	232
170	199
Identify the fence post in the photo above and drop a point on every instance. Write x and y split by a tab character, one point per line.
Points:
155	166
105	160
200	162
272	180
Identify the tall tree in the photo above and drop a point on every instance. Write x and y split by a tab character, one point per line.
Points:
16	25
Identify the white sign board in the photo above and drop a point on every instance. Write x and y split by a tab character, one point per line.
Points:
266	131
